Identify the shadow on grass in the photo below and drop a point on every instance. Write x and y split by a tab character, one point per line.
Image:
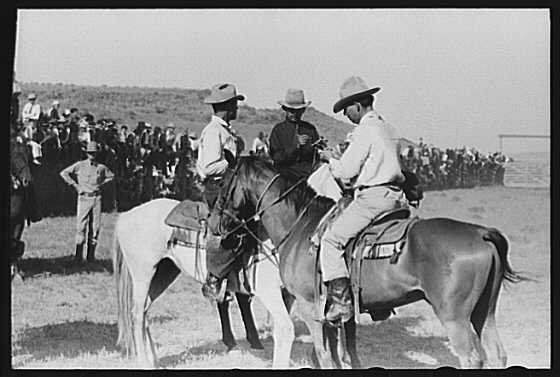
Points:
30	267
387	344
69	340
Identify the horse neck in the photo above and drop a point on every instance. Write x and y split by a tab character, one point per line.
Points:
277	218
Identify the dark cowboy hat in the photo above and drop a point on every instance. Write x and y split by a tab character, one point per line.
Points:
351	90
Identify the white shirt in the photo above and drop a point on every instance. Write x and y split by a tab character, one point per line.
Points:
31	111
372	155
215	137
259	145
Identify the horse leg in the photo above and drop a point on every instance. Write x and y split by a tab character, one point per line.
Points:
465	343
166	273
495	351
227	335
322	352
351	355
140	302
267	289
251	332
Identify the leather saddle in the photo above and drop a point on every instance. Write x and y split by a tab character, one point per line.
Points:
188	215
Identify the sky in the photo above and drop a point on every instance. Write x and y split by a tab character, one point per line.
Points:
454	77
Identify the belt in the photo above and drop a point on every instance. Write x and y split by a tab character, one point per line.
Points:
391	186
90	194
212	179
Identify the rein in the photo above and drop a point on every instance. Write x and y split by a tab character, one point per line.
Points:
256	217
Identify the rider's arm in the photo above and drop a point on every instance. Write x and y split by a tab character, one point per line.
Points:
211	158
351	161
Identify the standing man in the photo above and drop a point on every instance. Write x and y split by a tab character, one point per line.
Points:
291	142
87	177
371	164
217	149
30	115
14	108
54	112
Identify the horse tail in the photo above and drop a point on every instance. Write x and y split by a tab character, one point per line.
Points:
500	242
123	280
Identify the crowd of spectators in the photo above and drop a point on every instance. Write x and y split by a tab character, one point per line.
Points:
439	169
151	162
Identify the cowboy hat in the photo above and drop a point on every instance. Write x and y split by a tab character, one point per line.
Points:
56	102
352	89
31	96
294	99
223	92
92	147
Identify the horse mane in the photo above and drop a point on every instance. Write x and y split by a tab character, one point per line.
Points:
300	196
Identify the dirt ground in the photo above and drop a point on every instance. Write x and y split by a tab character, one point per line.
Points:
65	317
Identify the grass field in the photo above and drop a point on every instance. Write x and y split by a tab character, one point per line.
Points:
65	317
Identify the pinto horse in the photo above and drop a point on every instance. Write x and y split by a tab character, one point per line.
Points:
145	265
457	267
20	174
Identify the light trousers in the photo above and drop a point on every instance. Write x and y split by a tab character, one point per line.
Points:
367	205
88	218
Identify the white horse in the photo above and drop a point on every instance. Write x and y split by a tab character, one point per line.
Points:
140	250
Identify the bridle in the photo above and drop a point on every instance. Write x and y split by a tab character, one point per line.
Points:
243	223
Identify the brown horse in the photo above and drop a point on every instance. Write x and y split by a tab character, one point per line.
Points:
457	267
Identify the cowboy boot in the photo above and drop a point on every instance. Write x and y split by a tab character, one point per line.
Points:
339	300
91	252
79	253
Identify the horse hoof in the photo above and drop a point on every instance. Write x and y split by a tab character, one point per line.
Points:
231	346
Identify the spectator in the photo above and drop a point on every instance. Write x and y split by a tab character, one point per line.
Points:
260	145
54	112
30	115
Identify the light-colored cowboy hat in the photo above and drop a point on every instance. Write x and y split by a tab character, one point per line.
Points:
31	96
55	102
352	89
92	147
295	99
223	92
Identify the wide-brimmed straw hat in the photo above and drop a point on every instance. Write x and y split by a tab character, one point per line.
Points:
31	96
295	99
223	92
352	89
92	147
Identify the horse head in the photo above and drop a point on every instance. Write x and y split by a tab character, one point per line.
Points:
19	165
238	196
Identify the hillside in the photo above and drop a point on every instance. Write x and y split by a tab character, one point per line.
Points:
161	106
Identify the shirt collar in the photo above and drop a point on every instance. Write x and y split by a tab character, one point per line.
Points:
220	121
369	114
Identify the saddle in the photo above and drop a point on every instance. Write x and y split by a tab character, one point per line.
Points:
188	215
383	238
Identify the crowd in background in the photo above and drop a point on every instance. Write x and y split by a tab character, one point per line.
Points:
439	169
151	162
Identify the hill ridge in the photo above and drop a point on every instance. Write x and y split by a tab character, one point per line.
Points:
160	106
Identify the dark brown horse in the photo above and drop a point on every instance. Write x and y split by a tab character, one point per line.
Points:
457	267
20	179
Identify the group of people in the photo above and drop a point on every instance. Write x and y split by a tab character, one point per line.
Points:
370	164
439	169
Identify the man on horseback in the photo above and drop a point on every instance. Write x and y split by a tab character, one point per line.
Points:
217	149
371	164
291	142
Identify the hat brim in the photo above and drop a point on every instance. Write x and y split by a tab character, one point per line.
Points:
211	100
294	106
346	101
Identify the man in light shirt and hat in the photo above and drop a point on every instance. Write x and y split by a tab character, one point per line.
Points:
30	115
371	163
291	141
87	177
217	149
